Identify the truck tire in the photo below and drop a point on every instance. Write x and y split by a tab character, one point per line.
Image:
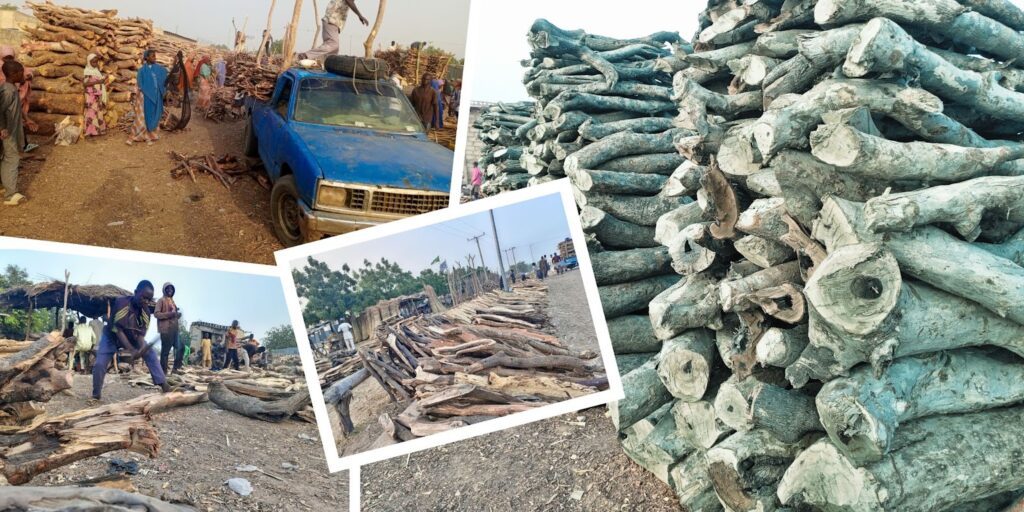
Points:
357	67
285	212
252	146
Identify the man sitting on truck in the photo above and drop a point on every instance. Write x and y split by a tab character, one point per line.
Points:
333	22
424	99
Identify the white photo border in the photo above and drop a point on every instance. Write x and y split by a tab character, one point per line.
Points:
337	463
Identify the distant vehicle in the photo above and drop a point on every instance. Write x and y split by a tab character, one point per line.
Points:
570	262
343	154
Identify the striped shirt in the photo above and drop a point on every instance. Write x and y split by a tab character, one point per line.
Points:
337	13
127	319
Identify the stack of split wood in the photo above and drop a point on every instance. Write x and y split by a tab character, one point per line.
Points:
226	169
410	64
502	127
32	442
167	49
251	79
483	359
845	329
56	51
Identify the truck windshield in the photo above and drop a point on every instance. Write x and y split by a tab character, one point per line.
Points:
355	103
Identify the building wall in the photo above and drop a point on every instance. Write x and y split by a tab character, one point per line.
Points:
10	23
474	146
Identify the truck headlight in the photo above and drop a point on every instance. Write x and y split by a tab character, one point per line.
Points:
330	196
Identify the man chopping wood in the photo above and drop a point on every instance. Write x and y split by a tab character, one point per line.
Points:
333	22
126	329
167	315
424	99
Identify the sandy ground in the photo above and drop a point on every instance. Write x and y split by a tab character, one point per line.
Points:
102	192
195	459
568	463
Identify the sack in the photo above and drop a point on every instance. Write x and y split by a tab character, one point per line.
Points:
357	67
68	132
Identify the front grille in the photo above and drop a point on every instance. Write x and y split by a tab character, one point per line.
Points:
357	198
406	204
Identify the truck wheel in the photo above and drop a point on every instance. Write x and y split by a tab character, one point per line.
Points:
285	213
252	146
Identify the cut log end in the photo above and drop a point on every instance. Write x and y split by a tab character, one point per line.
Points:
856	288
822	477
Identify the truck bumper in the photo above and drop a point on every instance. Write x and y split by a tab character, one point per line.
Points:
317	224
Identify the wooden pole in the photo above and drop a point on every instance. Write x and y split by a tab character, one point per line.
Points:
316	19
289	38
368	45
64	312
266	34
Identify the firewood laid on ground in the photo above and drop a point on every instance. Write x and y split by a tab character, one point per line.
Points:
482	359
825	286
46	499
226	169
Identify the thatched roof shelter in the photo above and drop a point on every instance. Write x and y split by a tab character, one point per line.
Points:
90	300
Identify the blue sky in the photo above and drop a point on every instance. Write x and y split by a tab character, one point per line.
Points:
256	301
537	225
444	23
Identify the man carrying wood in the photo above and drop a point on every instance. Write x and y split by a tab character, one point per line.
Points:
333	22
424	99
126	329
167	315
11	132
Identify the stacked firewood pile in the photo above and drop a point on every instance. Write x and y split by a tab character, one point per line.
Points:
410	65
57	48
482	359
227	169
167	49
831	317
502	127
251	79
32	442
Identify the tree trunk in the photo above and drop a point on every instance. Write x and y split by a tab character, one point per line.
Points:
633	334
368	44
612	182
616	233
731	292
640	210
43	499
933	466
654	442
594	130
686	364
763	252
644	394
749	404
266	33
272	411
692	484
746	468
620	145
37	371
288	47
670	224
861	413
781	347
614	267
694	250
691	303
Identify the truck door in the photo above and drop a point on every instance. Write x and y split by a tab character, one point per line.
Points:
274	129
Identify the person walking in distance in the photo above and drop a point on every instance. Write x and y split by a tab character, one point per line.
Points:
231	345
333	22
477	179
167	315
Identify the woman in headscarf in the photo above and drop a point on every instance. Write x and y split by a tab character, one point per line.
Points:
96	97
152	83
438	121
205	77
222	71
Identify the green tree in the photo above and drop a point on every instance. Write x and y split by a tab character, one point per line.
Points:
328	292
13	323
279	337
276	47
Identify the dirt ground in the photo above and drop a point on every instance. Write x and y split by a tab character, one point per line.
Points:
567	463
102	192
195	458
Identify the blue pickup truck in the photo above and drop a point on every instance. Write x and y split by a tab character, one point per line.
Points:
343	154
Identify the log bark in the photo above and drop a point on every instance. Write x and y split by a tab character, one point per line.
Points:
615	233
694	250
640	210
44	499
654	442
691	303
692	484
962	204
614	267
686	363
620	145
272	411
862	412
763	252
731	292
645	394
594	130
633	334
36	371
697	422
670	224
746	468
625	298
747	404
781	347
934	466
612	182
1011	249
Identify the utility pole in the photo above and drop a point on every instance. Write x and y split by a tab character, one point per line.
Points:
497	245
478	250
515	260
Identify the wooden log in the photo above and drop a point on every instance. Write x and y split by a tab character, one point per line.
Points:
697	422
612	182
526	387
749	404
615	233
746	467
54	103
345	386
763	252
805	180
640	210
685	180
645	394
36	371
572	100
614	267
1011	249
670	224
686	363
703	101
594	130
694	250
934	467
781	347
272	411
547	361
750	71
633	334
962	205
654	442
629	362
44	499
620	145
862	412
732	291
691	303
692	484
65	85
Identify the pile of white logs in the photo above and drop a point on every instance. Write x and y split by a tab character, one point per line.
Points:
500	128
846	328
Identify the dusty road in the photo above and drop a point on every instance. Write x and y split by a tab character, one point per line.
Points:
195	458
102	192
568	463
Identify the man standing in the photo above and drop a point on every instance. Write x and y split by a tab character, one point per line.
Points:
231	345
167	315
206	347
333	22
126	329
11	132
85	338
544	267
346	334
424	100
477	177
